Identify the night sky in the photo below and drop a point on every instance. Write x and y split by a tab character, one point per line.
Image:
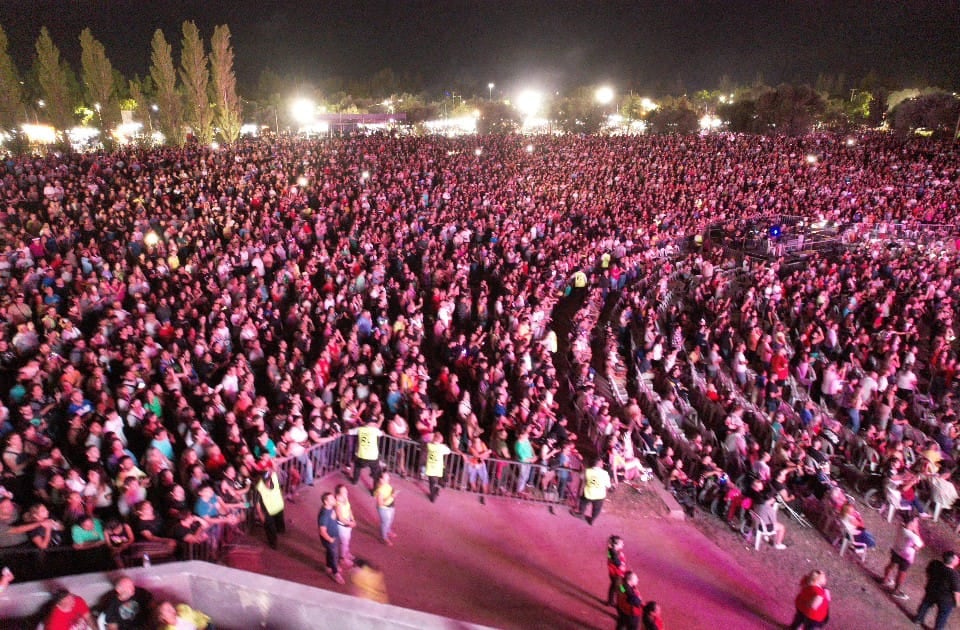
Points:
458	45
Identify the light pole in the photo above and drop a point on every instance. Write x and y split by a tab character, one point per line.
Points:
490	87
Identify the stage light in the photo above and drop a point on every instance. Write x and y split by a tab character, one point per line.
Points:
302	110
604	95
529	102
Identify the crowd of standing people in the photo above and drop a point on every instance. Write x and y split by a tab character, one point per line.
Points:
172	321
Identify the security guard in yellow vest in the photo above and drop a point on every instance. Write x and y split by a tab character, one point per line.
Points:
436	451
579	280
270	506
368	450
596	480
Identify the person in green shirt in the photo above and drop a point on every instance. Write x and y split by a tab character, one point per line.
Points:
87	533
523	451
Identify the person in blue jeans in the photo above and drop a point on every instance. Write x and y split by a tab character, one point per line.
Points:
942	590
330	535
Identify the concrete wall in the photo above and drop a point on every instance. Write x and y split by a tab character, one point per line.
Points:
233	599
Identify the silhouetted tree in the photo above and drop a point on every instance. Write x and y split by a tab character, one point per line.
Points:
11	94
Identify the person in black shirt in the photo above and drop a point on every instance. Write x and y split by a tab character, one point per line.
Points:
942	590
127	606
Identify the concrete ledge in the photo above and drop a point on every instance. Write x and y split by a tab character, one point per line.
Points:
674	509
234	599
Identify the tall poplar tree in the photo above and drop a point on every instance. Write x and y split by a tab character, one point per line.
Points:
164	76
195	75
228	109
96	74
11	94
53	80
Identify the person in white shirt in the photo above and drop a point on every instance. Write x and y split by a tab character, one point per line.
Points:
902	555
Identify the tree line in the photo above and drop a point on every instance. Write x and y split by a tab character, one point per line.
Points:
198	95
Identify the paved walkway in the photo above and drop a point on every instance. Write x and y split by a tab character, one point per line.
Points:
513	565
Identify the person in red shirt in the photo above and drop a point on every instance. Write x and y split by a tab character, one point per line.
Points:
69	612
629	603
616	568
652	616
812	603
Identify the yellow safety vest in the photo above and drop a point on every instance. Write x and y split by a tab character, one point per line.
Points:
605	260
435	453
595	486
367	443
272	497
579	280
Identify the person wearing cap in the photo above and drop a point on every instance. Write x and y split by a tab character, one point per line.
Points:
270	506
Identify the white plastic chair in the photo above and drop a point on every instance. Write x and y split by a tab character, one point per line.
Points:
895	503
761	531
847	541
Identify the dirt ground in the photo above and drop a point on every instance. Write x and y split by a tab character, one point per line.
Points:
858	601
512	565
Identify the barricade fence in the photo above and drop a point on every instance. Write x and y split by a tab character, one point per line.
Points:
537	482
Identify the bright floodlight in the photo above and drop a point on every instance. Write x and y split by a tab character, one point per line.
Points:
214	145
811	159
151	238
365	175
477	151
302	110
529	148
851	142
41	134
604	95
529	102
302	181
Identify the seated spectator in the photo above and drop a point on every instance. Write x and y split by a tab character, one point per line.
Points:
119	537
87	533
127	606
188	528
767	511
853	523
183	617
942	489
149	528
46	532
69	612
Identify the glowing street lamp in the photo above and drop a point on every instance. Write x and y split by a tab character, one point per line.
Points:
490	87
529	102
604	95
302	110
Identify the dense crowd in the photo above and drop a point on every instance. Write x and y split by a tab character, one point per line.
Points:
173	320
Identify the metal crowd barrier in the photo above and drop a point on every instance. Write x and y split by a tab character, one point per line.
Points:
406	458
